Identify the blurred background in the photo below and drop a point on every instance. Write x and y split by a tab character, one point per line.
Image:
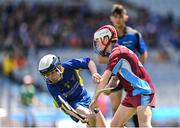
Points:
29	29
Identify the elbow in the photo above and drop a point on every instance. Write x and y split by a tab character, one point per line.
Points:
144	57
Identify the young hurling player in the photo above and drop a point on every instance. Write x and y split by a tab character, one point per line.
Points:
124	64
130	38
63	80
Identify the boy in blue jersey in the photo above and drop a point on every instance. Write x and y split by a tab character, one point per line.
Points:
128	37
63	80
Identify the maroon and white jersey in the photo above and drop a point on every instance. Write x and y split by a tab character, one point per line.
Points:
132	75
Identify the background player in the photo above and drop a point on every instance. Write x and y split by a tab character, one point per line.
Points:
28	100
127	36
63	80
130	38
132	75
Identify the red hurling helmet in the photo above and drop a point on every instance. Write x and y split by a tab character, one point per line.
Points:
105	31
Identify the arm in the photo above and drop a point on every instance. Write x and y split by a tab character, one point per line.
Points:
103	82
95	76
92	67
142	49
144	57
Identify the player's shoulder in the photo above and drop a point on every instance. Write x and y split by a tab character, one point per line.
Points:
67	64
132	30
70	64
120	49
123	49
116	50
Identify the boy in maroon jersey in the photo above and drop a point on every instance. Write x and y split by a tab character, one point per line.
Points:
140	93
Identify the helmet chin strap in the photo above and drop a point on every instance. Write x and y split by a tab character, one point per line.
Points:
104	53
60	72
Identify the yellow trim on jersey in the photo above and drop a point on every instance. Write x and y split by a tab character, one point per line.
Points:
62	69
79	77
57	106
56	103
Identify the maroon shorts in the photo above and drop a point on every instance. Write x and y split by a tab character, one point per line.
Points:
139	100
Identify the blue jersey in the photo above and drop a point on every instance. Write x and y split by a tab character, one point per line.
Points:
133	40
70	87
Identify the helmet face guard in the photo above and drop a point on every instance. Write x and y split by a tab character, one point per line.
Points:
98	50
107	31
48	64
46	71
52	66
